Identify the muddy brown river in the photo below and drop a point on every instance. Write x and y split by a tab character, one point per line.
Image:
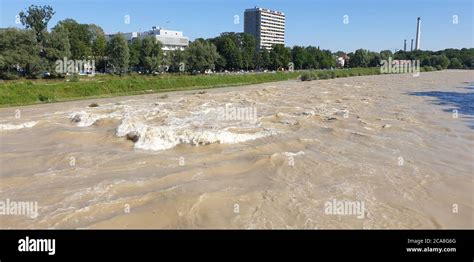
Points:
386	151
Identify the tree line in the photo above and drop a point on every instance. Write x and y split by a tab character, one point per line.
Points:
32	51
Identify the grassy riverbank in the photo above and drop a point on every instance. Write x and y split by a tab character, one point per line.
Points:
26	92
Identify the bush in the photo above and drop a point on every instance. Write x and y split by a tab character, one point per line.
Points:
331	74
306	76
44	98
439	67
324	75
427	68
74	78
342	73
8	76
455	64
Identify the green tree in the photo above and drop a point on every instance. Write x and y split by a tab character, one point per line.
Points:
118	54
19	54
37	18
265	59
221	63
134	48
201	55
257	60
360	58
402	55
228	45
467	57
298	55
98	46
386	54
311	60
57	47
280	57
248	50
326	59
151	55
374	59
80	38
439	60
176	60
455	64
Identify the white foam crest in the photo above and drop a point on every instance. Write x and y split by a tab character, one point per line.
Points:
161	127
165	137
84	119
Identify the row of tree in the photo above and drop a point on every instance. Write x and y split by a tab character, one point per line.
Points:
32	51
448	58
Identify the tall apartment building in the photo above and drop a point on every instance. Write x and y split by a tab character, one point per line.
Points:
266	25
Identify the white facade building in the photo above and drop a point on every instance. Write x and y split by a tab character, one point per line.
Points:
171	40
266	25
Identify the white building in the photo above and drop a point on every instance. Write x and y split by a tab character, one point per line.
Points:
171	40
266	25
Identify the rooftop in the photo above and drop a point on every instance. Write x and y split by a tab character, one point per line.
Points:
265	10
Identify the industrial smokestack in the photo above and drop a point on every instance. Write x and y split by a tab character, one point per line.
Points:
405	45
418	25
411	47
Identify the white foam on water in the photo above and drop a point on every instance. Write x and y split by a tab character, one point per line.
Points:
86	119
89	117
18	126
165	137
164	126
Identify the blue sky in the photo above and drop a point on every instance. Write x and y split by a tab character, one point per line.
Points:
373	24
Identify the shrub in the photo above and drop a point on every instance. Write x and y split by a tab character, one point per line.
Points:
44	98
8	76
455	63
323	75
306	76
74	78
342	73
427	68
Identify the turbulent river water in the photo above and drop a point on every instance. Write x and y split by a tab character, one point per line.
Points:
275	155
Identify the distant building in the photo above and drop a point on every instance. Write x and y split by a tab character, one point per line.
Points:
342	60
266	25
171	40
